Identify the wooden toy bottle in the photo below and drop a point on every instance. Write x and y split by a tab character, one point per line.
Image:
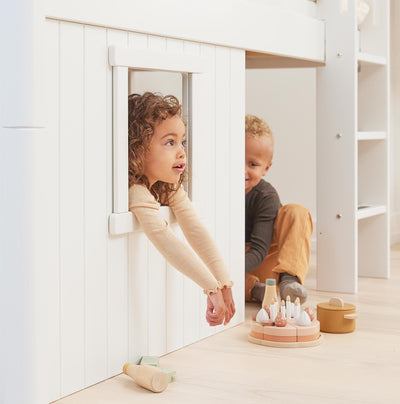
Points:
270	292
148	377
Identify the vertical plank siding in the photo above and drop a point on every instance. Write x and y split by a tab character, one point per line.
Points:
117	258
49	385
72	205
96	238
236	177
115	298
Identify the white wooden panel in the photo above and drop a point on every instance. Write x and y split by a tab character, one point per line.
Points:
141	59
222	150
205	154
222	144
157	43
268	28
117	262
174	309
193	307
120	139
236	187
337	187
199	138
175	46
191	49
203	165
95	180
395	123
164	310
47	244
138	290
85	275
156	300
174	303
157	266
72	267
337	265
138	41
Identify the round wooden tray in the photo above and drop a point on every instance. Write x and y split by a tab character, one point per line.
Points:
275	344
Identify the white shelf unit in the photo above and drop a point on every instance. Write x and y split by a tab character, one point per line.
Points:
353	147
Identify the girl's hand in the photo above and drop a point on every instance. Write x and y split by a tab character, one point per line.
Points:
229	304
215	308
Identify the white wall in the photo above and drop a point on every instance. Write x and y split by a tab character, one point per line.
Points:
286	100
395	121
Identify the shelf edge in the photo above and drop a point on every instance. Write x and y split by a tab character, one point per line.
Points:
371	211
373	135
371	59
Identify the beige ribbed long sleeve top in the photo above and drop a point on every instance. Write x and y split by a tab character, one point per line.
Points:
146	209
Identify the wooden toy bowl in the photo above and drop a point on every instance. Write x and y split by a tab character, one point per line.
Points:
337	317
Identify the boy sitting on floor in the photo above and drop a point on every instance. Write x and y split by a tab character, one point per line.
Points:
277	237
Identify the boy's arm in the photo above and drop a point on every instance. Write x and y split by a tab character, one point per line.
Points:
262	231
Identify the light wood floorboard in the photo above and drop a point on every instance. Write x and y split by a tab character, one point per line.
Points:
360	367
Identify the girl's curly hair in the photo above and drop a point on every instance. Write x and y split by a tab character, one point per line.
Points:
144	112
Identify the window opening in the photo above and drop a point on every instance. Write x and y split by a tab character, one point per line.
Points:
167	83
139	71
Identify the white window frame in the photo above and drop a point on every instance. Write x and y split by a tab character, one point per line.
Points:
122	59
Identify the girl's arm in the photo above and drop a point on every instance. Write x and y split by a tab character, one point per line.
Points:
198	236
200	239
175	251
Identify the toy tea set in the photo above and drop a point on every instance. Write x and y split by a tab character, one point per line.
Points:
286	325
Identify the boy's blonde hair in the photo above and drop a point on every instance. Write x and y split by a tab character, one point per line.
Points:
257	127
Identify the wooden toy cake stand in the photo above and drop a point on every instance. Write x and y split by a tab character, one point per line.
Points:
277	344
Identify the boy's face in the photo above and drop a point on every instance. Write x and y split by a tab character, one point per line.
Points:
166	158
258	160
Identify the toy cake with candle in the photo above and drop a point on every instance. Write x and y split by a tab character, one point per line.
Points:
285	325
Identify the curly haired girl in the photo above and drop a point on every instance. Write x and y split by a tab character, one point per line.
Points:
157	161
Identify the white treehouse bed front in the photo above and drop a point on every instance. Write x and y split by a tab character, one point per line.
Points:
90	290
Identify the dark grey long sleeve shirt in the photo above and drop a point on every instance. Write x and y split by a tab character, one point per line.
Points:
262	205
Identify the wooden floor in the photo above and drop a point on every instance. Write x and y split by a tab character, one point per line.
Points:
360	367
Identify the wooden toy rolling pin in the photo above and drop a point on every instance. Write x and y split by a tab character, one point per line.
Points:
148	377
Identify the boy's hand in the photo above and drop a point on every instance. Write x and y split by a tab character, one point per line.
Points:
215	308
229	304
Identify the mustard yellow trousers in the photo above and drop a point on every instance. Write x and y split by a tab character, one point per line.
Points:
290	248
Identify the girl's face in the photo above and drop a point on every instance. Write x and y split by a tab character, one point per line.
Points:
166	158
